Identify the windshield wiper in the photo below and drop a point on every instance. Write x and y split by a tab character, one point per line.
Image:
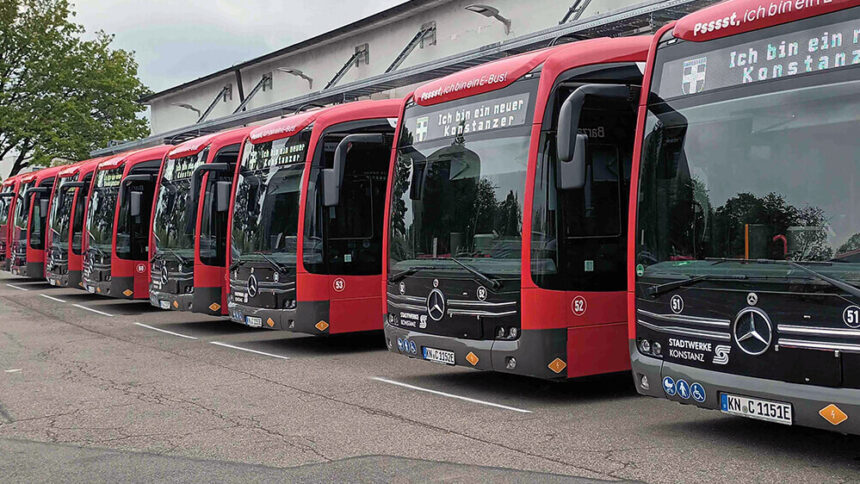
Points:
658	289
495	283
179	258
274	263
408	272
99	252
849	288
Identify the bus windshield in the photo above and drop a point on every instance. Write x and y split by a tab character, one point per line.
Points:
175	215
751	175
61	214
459	184
100	215
266	210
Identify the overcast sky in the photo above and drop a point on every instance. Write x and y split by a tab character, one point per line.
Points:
180	40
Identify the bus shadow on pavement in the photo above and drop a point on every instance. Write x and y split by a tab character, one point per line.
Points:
126	307
211	326
824	448
590	389
297	344
80	297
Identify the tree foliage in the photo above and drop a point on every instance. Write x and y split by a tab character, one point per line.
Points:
62	95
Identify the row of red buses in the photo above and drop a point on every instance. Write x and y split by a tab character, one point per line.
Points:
65	238
684	205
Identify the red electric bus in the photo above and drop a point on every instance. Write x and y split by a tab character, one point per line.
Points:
188	248
8	197
118	218
31	216
506	235
745	296
307	220
64	242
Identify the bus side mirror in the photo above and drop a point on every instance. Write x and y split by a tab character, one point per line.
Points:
135	199
333	177
222	195
571	174
43	205
197	179
570	145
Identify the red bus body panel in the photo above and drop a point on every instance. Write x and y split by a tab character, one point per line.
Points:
354	301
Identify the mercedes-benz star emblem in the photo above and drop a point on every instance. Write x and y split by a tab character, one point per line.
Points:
752	331
436	305
252	286
165	277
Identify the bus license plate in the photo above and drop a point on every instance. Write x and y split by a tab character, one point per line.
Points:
756	408
91	289
438	356
164	304
254	322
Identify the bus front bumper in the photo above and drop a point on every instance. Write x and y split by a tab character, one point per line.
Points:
536	353
254	317
169	301
808	402
33	270
118	287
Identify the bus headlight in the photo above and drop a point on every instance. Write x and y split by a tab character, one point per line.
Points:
657	348
645	346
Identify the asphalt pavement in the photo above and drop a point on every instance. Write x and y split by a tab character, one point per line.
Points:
95	389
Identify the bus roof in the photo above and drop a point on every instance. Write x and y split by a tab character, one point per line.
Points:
339	113
135	157
502	73
196	145
354	111
738	16
72	170
42	174
285	127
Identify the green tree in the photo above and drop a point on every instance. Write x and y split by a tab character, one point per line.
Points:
61	95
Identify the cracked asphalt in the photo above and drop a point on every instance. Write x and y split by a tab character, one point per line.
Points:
88	397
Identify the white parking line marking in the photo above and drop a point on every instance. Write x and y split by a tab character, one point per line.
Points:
164	331
16	287
449	395
93	310
248	350
13	370
52	298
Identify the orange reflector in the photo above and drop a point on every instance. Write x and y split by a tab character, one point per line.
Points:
322	325
128	292
270	322
81	284
175	305
472	358
99	290
833	414
214	307
557	365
